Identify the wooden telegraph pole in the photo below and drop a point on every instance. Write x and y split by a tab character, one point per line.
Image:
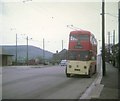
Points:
119	33
103	39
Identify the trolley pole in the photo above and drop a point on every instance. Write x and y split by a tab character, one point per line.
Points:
103	39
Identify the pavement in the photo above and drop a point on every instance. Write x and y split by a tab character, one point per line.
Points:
110	81
0	83
104	87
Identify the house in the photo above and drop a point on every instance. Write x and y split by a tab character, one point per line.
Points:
5	58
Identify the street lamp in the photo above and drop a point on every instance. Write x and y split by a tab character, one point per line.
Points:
112	15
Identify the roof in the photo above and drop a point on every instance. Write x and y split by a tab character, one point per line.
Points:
80	32
3	52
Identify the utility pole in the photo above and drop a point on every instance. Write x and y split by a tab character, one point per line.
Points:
16	51
119	42
27	49
119	34
43	50
62	44
113	48
113	37
103	39
108	46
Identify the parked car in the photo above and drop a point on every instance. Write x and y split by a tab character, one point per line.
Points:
63	63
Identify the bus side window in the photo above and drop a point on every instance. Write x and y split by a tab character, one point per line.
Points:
90	54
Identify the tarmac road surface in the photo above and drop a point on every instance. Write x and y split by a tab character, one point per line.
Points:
42	83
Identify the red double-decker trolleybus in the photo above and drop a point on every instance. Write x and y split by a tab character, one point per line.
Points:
82	53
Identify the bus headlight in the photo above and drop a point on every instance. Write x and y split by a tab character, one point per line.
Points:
70	66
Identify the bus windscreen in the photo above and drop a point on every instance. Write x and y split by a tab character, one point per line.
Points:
79	55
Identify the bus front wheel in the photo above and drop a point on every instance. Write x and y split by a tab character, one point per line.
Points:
67	74
90	73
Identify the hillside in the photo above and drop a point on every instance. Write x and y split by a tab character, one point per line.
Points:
33	51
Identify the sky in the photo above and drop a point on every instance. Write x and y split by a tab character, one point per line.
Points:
48	20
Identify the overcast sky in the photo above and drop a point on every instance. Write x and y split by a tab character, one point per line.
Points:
49	20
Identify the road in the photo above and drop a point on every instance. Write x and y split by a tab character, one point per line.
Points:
42	83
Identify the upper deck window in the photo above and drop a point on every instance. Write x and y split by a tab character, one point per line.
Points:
84	37
79	37
73	37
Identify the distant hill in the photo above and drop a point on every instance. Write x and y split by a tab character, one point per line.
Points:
33	51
